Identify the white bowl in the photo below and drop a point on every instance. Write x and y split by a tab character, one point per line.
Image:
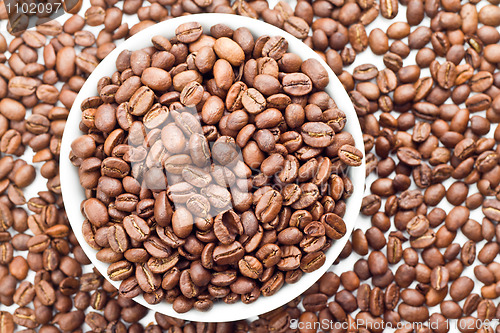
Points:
73	193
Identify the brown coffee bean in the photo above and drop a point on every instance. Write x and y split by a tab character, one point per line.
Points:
226	254
45	293
268	206
317	134
312	261
188	32
117	239
251	267
378	41
316	72
491	209
389	9
25	317
358	37
297	84
350	155
296	26
229	50
96	212
409	156
488	14
460	288
468	253
417	226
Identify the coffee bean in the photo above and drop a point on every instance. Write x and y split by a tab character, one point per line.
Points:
317	134
417	226
229	50
412	313
361	103
253	101
114	168
419	37
296	26
227	254
460	288
316	72
334	225
389	9
491	209
227	226
96	212
468	253
251	267
25	317
409	156
45	293
188	32
268	206
297	84
117	239
487	15
350	155
136	227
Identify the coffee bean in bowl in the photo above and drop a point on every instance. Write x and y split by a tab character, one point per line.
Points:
221	167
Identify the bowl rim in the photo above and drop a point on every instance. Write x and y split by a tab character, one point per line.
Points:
73	193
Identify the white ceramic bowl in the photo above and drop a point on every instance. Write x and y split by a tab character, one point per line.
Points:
73	193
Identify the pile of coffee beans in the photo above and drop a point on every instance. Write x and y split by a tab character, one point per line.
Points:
438	85
214	167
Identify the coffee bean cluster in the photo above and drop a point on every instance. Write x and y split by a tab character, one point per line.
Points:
462	34
213	167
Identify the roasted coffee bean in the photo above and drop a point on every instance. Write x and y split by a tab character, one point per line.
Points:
317	134
188	32
334	225
297	84
227	254
350	155
460	288
389	9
